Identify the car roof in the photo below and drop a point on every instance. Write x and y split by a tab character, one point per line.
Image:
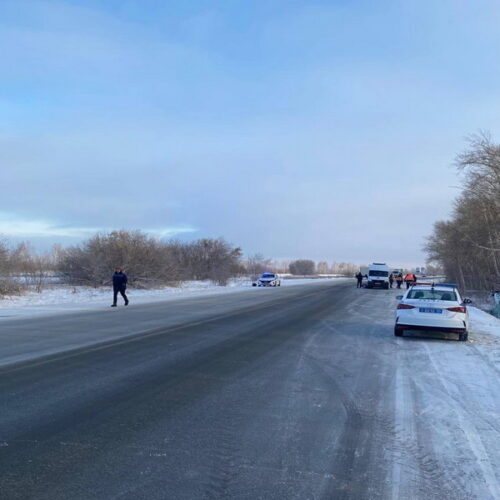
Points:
430	287
436	287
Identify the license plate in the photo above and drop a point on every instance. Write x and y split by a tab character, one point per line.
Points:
430	310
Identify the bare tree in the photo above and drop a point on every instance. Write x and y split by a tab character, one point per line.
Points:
256	264
149	261
32	268
323	268
302	267
468	245
344	268
211	259
8	285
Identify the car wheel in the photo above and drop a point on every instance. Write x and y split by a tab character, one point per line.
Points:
398	332
386	286
463	336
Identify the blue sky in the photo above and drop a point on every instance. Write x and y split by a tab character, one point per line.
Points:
316	129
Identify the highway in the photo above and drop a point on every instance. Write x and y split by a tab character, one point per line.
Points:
297	392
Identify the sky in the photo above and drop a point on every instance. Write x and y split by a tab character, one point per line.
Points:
296	129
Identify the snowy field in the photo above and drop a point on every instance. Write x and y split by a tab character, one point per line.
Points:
68	298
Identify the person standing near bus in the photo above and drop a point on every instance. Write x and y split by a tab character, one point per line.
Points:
359	277
410	280
399	280
391	280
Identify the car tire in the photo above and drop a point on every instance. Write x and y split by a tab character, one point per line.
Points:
462	337
398	332
386	286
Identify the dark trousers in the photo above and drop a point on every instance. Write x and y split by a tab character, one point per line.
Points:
391	282
399	283
120	291
360	283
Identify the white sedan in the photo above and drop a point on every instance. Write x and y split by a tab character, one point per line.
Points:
268	279
433	308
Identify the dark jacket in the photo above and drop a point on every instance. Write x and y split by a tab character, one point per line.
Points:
119	281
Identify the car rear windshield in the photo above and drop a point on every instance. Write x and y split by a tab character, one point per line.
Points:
448	295
378	273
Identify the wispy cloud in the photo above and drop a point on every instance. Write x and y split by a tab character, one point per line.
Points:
169	232
17	227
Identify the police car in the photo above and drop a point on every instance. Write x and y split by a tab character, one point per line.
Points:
268	279
432	307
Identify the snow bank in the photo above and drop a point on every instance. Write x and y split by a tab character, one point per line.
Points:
482	322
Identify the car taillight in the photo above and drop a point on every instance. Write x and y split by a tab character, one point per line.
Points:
458	309
405	306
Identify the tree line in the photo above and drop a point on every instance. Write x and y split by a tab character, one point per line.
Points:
148	261
468	244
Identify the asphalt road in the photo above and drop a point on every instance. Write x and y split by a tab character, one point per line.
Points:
290	393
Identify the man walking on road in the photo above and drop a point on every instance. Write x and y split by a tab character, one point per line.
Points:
359	277
119	286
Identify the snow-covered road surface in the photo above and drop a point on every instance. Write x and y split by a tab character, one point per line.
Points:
299	392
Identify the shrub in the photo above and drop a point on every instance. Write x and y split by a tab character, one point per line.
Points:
148	261
302	267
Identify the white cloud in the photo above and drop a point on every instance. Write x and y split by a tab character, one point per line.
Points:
11	225
168	232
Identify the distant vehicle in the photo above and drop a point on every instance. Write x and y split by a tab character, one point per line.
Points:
268	279
395	272
431	307
378	275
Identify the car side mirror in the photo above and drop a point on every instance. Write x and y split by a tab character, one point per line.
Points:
467	301
399	297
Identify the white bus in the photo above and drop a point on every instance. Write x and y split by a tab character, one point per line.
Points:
378	275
